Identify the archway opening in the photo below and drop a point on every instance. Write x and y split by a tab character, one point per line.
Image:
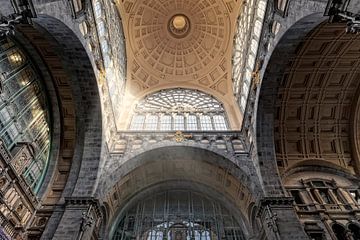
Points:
173	168
355	230
177	214
339	231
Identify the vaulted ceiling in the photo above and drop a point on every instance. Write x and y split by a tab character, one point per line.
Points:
316	101
180	43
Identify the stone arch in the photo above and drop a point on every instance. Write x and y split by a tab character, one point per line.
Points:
286	48
116	170
76	81
319	166
177	164
64	63
191	186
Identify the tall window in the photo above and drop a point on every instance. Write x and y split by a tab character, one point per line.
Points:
248	33
24	118
179	109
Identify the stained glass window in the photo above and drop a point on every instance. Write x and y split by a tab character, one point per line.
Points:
24	118
179	109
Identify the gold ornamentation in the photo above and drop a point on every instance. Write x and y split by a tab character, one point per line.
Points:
180	136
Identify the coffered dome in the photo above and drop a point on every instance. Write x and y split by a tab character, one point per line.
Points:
179	40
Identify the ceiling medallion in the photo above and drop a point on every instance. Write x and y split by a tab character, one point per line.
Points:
179	25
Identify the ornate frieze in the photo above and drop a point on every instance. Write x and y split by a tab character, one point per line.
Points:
228	142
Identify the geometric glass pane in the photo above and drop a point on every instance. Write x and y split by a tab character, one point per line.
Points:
205	123
137	122
219	122
151	122
165	123
172	105
178	122
191	123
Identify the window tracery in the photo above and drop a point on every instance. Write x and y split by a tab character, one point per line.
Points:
179	110
175	215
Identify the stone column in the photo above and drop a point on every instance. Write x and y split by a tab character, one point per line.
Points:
81	219
280	221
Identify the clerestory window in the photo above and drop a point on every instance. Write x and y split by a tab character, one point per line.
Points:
179	110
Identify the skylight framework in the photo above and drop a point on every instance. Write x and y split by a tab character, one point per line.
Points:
179	110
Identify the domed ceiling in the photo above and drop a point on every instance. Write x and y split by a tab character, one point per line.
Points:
180	43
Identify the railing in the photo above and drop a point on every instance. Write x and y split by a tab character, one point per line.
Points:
226	141
326	207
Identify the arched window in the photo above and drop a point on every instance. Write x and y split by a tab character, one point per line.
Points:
179	110
176	215
24	117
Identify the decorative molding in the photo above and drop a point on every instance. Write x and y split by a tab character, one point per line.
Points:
84	202
274	202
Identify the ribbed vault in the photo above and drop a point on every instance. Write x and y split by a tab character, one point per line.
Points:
316	99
